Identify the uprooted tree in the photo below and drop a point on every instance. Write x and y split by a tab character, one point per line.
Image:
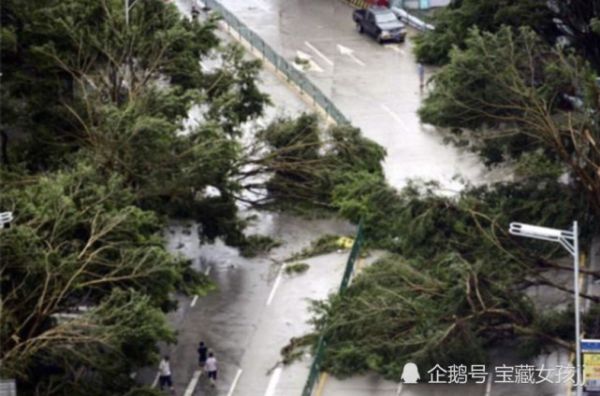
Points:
521	98
574	23
457	285
96	152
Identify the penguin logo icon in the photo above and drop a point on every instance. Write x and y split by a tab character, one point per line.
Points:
410	373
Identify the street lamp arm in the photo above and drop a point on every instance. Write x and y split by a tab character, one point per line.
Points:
545	233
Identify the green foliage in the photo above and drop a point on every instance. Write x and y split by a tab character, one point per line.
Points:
296	347
518	96
454	22
456	286
79	240
96	151
323	245
307	163
536	164
254	245
296	268
396	312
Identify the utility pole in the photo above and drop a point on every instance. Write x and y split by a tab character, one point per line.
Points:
569	239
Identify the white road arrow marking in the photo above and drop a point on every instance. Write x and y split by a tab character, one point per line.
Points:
311	63
395	48
303	55
319	53
350	52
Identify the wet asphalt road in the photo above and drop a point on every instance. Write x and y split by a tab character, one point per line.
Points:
256	309
375	86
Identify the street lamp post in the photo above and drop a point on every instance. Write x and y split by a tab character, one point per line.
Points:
570	241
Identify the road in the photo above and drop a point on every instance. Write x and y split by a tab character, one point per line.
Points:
375	86
256	308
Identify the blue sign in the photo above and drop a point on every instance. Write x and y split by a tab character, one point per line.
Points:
590	346
424	4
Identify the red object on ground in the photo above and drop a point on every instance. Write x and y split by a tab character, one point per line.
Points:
379	3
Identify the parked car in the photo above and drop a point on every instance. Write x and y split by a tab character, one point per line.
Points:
380	23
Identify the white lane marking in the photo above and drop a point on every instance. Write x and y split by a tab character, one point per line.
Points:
234	383
207	270
276	285
399	391
395	116
273	382
350	52
189	391
155	380
488	387
319	53
194	300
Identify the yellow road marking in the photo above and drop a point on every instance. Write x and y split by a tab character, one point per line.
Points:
322	381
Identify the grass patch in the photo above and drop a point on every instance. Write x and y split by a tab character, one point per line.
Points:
296	268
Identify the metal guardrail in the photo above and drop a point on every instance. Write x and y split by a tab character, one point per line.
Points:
279	62
411	20
315	368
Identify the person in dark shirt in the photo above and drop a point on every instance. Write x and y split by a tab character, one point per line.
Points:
202	354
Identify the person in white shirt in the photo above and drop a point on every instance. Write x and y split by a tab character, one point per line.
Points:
164	373
211	368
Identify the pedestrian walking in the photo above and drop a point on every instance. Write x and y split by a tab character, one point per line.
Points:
164	374
421	71
202	354
211	368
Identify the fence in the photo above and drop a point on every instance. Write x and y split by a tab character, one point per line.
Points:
315	368
279	62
